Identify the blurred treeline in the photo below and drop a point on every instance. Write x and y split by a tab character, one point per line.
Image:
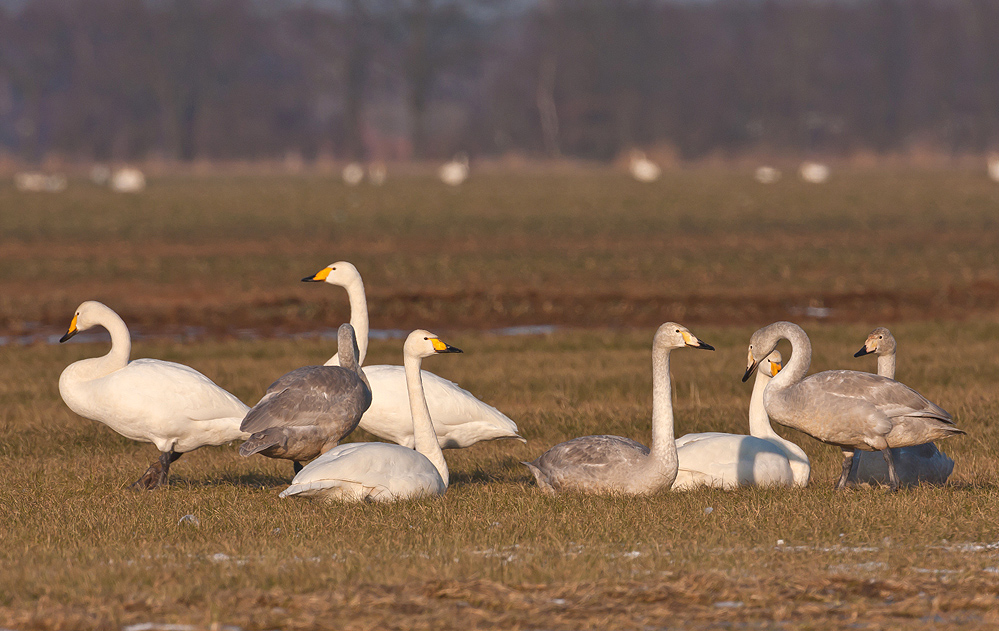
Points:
401	79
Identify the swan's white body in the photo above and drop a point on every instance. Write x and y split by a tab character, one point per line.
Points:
173	406
643	169
455	172
382	471
727	461
760	427
612	464
917	464
460	419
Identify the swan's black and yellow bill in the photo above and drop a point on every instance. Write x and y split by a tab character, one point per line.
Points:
71	332
442	347
749	371
775	368
319	276
863	351
693	342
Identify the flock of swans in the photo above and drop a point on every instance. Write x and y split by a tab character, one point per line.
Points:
305	414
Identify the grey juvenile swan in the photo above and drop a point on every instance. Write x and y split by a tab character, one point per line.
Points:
852	410
309	410
612	464
919	463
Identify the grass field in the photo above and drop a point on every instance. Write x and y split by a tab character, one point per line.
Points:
207	270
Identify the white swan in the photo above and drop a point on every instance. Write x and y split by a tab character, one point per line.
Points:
919	463
612	464
309	410
727	461
175	407
643	169
460	419
456	171
849	409
383	471
759	422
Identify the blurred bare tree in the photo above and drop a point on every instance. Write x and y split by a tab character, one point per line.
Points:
240	79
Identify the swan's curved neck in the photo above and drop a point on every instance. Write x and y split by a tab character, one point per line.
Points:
121	347
423	427
663	448
886	365
801	357
759	421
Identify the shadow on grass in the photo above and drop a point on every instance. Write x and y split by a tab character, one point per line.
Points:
245	480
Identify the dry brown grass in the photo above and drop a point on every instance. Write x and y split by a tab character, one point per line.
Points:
710	249
80	551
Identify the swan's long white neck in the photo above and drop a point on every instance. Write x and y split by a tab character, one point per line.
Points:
423	427
886	365
358	319
759	422
801	355
121	346
663	458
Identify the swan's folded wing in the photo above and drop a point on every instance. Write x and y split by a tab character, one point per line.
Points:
314	392
890	397
189	392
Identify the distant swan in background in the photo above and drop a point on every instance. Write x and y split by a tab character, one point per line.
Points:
612	464
309	410
767	175
460	419
382	471
455	172
993	166
919	463
728	461
173	406
814	172
849	409
643	169
352	174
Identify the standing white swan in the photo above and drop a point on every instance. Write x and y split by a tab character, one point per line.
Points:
173	406
919	463
383	471
612	464
849	409
460	419
309	410
728	461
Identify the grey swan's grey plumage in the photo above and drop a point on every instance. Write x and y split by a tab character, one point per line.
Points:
917	464
385	472
309	410
460	418
173	406
728	461
612	464
852	410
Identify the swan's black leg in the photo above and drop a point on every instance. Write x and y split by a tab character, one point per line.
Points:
847	465
893	482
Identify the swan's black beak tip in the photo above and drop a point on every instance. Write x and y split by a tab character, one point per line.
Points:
863	351
705	347
749	371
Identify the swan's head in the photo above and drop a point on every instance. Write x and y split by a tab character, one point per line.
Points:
880	341
347	344
87	315
764	342
422	343
772	364
673	335
340	273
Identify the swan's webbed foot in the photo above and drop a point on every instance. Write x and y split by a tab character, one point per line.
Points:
847	465
158	473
